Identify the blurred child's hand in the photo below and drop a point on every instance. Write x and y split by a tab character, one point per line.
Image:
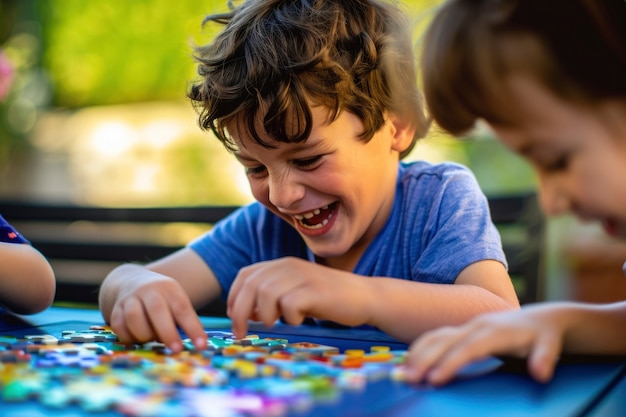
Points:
152	306
293	289
534	332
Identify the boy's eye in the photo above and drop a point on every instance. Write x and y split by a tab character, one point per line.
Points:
308	163
256	171
558	164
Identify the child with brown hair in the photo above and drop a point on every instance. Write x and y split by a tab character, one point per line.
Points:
318	101
549	79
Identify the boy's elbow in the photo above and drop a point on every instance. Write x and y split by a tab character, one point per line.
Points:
48	284
28	283
42	295
506	302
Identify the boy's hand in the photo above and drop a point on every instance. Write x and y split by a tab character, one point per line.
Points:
152	308
293	289
535	333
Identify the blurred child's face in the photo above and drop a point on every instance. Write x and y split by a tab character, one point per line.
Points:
579	153
335	189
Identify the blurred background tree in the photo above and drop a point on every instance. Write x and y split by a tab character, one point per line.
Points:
96	112
116	51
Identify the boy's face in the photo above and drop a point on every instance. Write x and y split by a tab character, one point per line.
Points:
335	189
579	153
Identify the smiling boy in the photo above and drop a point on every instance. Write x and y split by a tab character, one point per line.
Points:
318	100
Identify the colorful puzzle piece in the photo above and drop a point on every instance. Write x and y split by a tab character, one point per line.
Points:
253	376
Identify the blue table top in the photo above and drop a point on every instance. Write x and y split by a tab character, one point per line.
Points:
613	403
587	386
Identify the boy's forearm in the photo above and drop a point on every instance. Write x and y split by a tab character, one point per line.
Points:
594	328
415	307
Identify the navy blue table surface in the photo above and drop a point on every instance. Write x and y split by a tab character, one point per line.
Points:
614	403
585	386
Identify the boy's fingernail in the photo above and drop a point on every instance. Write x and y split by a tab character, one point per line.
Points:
434	376
200	343
409	374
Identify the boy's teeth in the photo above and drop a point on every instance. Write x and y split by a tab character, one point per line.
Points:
319	225
309	214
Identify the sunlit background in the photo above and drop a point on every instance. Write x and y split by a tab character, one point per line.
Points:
96	113
93	112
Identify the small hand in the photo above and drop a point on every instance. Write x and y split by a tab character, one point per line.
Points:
293	289
153	310
535	333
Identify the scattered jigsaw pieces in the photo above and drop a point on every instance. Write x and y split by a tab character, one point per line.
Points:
255	376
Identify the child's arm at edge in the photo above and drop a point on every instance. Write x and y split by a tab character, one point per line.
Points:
27	282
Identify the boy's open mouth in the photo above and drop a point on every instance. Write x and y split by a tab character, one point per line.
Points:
317	218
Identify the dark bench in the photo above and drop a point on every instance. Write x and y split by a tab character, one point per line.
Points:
522	227
84	243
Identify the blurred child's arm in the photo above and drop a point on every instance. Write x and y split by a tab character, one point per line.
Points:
143	303
538	332
27	283
295	288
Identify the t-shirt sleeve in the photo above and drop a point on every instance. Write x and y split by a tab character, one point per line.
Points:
251	234
459	230
229	245
9	234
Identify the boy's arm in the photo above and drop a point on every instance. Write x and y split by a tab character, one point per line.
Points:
295	288
405	309
539	332
597	329
27	283
149	302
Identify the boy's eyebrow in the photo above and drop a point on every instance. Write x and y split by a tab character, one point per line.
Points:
297	148
242	158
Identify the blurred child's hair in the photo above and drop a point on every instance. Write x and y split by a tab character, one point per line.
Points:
276	59
574	48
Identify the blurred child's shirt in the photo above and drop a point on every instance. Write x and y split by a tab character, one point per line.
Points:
9	234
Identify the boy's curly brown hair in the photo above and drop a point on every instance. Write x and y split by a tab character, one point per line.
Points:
275	59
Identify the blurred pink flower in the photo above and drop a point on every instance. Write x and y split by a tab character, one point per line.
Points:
6	75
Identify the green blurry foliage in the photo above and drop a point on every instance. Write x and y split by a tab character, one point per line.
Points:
116	51
119	51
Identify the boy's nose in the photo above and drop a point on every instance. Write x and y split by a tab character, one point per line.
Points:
553	198
285	190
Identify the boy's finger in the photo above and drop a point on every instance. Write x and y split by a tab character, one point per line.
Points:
192	327
240	310
118	325
544	356
136	321
165	328
233	294
181	316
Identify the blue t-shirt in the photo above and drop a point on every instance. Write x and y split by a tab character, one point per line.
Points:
9	234
439	225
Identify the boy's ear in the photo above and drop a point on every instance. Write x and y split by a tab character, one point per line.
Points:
402	131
